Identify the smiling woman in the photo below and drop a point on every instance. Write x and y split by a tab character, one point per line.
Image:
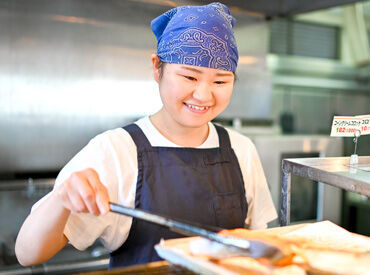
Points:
192	96
175	162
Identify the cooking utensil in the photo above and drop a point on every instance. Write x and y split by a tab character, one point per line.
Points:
250	248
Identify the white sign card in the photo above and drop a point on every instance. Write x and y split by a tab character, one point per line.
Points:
346	126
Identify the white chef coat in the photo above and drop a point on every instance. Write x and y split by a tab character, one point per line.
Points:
113	156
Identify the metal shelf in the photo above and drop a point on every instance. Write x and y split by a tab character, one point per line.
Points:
333	171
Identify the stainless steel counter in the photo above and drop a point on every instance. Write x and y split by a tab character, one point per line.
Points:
158	268
17	198
73	267
333	171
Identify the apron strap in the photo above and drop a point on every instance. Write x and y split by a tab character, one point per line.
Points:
223	138
138	136
141	141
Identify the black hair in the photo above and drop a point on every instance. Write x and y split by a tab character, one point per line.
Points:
161	66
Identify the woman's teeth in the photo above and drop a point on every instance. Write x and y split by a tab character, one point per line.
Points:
197	107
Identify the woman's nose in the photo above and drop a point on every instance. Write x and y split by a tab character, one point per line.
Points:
203	92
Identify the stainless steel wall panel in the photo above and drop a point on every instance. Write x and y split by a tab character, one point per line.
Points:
72	69
312	112
69	72
347	104
314	89
252	92
280	102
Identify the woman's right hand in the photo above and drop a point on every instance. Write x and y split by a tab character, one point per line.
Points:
83	192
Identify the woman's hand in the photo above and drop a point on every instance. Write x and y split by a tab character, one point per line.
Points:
83	192
42	233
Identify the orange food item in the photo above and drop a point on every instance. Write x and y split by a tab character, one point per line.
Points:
309	251
285	246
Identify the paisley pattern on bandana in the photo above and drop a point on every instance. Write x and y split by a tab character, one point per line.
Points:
198	36
198	48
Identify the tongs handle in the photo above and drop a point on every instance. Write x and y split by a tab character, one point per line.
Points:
251	248
179	227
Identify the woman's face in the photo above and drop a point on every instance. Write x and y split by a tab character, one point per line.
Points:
191	95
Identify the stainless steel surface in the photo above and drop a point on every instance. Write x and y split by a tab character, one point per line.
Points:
60	268
309	66
314	89
30	186
271	148
285	202
252	248
283	7
16	200
313	109
157	268
320	83
72	69
317	73
333	171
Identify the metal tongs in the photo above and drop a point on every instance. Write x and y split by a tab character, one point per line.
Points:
250	248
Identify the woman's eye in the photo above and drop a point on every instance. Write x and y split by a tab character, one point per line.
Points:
190	77
220	82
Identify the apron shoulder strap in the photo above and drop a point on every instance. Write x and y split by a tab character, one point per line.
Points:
138	136
142	141
223	138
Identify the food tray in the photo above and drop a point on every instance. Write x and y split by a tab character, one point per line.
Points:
177	251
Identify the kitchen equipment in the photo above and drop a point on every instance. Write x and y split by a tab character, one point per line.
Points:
333	171
250	248
310	200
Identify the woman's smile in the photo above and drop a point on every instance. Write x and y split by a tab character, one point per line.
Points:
196	108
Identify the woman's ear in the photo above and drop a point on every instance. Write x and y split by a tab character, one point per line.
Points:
156	69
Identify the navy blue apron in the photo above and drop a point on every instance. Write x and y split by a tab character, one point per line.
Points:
203	186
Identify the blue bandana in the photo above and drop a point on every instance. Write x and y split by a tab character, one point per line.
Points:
198	36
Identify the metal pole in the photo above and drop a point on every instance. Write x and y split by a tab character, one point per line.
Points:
285	197
320	202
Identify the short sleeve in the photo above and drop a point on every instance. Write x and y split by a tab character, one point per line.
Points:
261	209
113	156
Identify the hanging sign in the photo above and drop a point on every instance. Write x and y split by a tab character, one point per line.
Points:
350	126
